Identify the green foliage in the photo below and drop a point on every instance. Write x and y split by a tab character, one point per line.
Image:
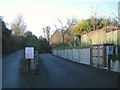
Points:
102	22
116	57
12	39
24	65
85	26
44	46
41	44
31	40
60	47
82	27
18	38
7	42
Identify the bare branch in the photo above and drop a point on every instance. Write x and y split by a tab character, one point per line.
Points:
60	23
46	31
18	26
55	26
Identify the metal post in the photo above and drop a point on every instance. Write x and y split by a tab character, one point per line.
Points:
28	65
118	80
109	62
91	54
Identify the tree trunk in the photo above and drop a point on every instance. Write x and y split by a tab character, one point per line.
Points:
62	34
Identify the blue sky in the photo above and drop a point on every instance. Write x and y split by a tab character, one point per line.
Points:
40	13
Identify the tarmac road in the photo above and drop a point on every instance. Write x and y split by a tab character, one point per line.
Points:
56	72
11	76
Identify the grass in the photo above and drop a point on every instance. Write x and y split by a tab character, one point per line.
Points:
24	65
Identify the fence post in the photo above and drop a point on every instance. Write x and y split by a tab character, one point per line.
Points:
78	55
72	54
91	56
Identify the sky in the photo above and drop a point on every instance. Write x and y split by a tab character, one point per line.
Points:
38	14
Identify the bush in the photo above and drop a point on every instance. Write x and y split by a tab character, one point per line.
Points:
61	47
116	57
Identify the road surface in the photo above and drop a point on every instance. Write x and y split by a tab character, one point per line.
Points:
55	72
60	73
11	76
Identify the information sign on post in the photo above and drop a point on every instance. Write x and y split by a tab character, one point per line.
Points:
29	52
109	50
109	53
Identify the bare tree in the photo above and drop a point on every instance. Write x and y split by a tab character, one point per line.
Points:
114	13
18	26
93	18
46	31
61	30
18	29
69	23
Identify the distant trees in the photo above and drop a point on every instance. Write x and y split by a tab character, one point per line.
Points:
85	26
82	27
46	31
44	45
31	40
18	38
0	36
6	39
63	28
79	28
56	38
18	29
12	39
18	26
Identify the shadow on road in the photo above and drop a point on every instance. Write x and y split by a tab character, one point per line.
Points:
55	72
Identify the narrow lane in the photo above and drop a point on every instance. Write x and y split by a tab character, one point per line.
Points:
61	73
11	76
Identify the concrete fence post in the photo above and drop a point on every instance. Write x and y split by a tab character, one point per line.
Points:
79	55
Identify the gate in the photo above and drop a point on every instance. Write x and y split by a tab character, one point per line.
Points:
98	56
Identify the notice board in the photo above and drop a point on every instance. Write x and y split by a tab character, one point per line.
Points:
29	52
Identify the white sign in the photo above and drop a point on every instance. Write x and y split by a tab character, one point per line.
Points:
29	52
109	50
